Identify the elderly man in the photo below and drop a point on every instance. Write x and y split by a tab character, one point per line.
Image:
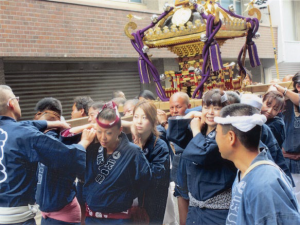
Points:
22	146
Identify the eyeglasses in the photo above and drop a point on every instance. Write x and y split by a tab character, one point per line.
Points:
18	98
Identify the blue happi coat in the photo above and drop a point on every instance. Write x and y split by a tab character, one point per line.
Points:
270	141
202	172
56	187
264	196
113	182
277	127
22	147
155	196
291	119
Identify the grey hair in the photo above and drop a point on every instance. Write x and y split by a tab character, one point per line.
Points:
4	98
182	95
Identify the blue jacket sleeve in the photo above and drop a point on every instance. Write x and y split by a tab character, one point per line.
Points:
181	188
179	132
163	136
56	155
203	151
40	125
278	131
159	160
143	172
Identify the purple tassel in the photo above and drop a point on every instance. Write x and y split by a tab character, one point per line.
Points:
215	57
253	55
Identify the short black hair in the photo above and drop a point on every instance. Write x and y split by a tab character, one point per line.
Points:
249	139
50	103
82	102
109	114
146	94
296	79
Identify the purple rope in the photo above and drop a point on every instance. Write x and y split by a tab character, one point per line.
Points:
138	44
153	24
211	31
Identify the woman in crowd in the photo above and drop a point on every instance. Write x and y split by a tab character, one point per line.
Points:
156	151
204	177
273	104
116	173
291	117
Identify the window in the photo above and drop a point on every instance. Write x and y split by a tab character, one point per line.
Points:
236	3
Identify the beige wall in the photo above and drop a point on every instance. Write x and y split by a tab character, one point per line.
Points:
297	19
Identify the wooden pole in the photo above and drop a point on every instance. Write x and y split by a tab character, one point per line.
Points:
273	40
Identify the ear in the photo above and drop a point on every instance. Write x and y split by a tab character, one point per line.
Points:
232	138
121	129
189	106
11	105
82	112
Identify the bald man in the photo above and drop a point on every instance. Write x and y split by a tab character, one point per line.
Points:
22	146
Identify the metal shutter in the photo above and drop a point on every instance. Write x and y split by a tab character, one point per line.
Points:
32	81
285	68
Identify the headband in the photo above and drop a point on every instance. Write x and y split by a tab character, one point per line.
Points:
242	123
109	105
224	97
252	100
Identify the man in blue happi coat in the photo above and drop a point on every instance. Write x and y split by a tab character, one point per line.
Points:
262	193
22	146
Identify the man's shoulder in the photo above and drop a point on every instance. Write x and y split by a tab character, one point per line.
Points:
265	176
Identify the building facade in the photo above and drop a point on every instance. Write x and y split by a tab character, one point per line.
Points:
67	48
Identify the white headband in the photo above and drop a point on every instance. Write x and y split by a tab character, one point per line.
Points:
243	123
224	97
253	100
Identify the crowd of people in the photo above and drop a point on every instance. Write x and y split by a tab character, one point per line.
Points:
233	160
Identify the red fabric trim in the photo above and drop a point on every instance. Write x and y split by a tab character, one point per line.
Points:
117	216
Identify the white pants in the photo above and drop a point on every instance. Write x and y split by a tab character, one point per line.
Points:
171	213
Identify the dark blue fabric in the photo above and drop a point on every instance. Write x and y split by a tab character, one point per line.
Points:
93	221
111	185
56	187
179	132
292	124
202	172
79	186
198	108
50	221
277	127
263	196
163	136
293	165
269	140
155	196
23	148
175	165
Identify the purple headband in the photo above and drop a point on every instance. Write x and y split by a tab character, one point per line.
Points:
109	105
